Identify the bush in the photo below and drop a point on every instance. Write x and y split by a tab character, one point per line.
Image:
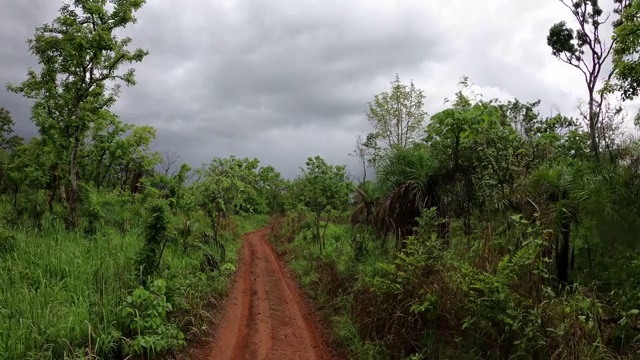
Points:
149	332
430	300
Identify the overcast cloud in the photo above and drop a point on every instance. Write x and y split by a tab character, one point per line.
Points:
282	80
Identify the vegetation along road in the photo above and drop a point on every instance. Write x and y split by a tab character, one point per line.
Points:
470	228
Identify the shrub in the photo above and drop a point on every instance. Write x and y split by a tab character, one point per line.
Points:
149	332
155	237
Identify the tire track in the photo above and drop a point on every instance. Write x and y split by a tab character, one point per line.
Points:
265	316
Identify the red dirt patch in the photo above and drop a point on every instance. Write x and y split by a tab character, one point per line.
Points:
265	316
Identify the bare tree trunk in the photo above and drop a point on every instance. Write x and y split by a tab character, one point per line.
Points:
52	185
15	197
324	232
98	172
593	129
364	168
317	234
63	196
73	191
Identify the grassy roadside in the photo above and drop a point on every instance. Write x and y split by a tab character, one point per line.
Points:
63	293
328	279
249	223
458	302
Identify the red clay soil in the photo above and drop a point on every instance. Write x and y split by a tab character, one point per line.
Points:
265	316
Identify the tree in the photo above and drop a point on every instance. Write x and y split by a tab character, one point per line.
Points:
104	150
227	186
610	125
8	140
476	145
135	157
243	195
80	56
8	144
173	187
586	50
524	117
271	187
168	161
397	116
322	189
626	62
363	152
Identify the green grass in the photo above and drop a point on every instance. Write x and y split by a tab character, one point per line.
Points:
251	222
57	287
60	291
318	272
458	302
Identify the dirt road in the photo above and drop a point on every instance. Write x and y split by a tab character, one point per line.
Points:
265	316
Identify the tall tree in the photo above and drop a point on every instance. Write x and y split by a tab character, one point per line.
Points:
80	56
626	60
586	50
322	188
398	115
136	156
271	186
8	140
105	148
8	145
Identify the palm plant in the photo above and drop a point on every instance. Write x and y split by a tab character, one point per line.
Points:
580	194
367	195
410	179
553	184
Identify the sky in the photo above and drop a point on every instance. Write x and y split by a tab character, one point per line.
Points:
283	80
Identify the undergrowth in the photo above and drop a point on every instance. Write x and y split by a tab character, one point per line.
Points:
479	301
79	294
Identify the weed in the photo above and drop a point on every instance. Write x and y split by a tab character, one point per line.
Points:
146	312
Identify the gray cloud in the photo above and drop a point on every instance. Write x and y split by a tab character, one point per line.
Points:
18	20
287	79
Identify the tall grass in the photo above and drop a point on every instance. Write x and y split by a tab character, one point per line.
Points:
61	291
58	287
328	277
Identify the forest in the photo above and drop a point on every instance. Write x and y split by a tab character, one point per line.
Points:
483	231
